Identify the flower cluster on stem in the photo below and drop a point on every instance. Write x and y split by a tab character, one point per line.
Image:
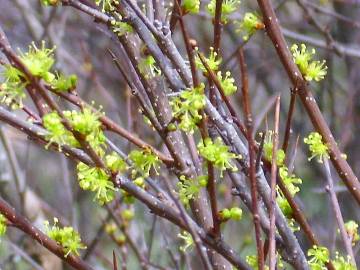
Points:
310	69
67	237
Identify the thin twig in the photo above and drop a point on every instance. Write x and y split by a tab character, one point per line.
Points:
251	143
275	142
337	212
24	225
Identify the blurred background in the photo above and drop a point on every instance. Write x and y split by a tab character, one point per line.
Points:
43	184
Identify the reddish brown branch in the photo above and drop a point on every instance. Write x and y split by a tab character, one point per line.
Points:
24	225
289	120
251	144
217	26
217	83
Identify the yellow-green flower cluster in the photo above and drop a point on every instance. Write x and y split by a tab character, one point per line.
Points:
85	122
228	7
3	224
187	238
39	62
212	61
291	181
96	180
143	161
227	83
252	260
317	147
67	237
249	25
189	188
57	132
217	153
120	27
186	108
115	163
319	257
50	2
107	5
340	263
148	67
311	70
351	228
191	6
268	150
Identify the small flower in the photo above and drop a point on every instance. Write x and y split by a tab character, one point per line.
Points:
87	123
212	61
119	27
115	163
67	237
189	188
58	134
96	180
191	6
227	83
319	256
317	147
302	56
228	7
50	2
217	153
39	61
314	70
186	108
351	228
12	94
252	260
284	204
148	67
341	264
249	25
144	161
62	83
3	224
187	238
268	150
290	181
107	5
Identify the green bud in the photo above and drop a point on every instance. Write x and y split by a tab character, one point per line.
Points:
236	213
225	214
171	127
128	214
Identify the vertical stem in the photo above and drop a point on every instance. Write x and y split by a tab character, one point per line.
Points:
251	145
337	211
289	119
217	26
272	243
